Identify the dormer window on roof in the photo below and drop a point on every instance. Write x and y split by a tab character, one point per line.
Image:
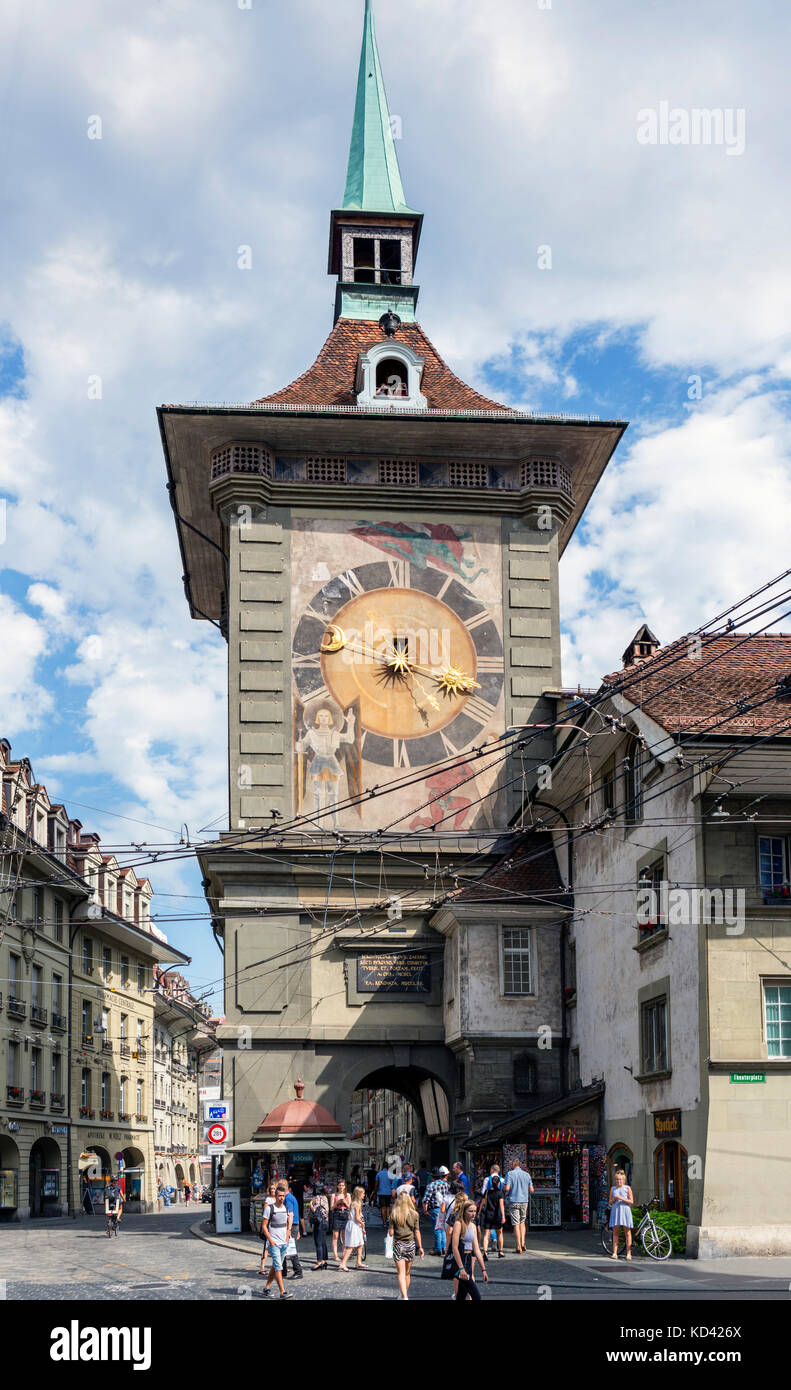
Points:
389	377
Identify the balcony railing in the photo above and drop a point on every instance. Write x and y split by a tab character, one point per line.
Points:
17	1008
142	1119
87	1039
56	1100
106	1045
126	1050
86	1113
15	1095
124	1116
38	1098
106	1115
141	1052
59	1023
37	1014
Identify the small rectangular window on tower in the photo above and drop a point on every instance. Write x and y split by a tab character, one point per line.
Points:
390	262
364	260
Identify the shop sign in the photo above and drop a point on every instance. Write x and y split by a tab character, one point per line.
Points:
381	972
301	1158
13	1125
209	1093
60	1129
667	1124
746	1077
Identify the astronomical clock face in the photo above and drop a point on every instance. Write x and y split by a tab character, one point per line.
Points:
397	663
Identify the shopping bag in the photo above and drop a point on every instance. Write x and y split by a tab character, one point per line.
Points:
388	1247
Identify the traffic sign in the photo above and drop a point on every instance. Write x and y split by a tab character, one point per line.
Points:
217	1110
215	1150
217	1134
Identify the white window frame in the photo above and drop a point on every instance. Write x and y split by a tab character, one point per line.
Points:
366	377
781	982
530	952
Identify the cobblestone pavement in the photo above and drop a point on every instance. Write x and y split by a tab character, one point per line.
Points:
158	1257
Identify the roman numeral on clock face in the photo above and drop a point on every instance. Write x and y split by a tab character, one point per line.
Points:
490	665
352	583
311	661
477	619
449	747
399	573
400	754
478	709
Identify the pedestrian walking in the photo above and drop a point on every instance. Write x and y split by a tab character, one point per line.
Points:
459	1175
339	1215
518	1191
424	1176
492	1213
467	1252
354	1234
270	1193
383	1183
319	1217
453	1211
291	1252
409	1180
276	1230
622	1199
187	1194
404	1227
436	1200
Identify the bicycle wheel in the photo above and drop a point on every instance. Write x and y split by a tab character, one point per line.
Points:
656	1242
606	1237
364	1255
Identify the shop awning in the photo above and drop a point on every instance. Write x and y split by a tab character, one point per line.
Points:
291	1146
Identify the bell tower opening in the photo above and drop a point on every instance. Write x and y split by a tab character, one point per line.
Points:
391	378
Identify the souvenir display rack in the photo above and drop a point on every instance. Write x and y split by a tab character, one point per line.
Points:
544	1166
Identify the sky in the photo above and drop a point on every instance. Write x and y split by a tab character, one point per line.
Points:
583	251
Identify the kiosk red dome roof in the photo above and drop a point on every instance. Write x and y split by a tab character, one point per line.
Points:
299	1117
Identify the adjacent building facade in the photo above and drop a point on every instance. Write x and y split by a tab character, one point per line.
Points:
77	950
675	797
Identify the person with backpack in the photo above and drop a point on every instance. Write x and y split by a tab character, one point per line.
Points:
492	1213
276	1231
319	1217
436	1199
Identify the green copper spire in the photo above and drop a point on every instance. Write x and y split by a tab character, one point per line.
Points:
373	178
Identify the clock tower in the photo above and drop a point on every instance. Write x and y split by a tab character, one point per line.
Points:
378	543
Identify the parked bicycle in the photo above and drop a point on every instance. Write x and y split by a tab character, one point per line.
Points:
655	1241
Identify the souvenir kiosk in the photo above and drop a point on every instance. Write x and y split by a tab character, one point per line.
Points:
298	1140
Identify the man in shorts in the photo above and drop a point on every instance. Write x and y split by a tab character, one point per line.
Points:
518	1191
276	1231
384	1192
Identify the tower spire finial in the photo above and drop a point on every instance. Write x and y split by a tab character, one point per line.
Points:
373	178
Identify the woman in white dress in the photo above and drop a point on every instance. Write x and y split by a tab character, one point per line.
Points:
622	1199
354	1235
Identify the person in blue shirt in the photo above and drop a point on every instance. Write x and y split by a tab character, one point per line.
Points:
459	1175
291	1249
518	1191
384	1191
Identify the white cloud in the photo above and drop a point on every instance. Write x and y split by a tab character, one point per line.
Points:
687	521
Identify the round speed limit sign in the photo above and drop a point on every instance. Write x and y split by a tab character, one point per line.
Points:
217	1134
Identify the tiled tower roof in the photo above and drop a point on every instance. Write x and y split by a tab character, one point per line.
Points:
331	379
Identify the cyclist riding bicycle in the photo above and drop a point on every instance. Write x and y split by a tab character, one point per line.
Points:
113	1205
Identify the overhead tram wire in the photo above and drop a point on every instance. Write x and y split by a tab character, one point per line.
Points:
675	652
349	917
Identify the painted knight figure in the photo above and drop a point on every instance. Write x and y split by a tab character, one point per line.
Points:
378	542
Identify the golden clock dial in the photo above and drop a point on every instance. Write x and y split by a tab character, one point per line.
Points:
434	638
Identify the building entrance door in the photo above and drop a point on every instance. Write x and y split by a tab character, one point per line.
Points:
671	1177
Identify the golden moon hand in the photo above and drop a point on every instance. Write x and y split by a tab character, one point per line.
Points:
336	639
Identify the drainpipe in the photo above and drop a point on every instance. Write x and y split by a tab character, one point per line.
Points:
564	931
